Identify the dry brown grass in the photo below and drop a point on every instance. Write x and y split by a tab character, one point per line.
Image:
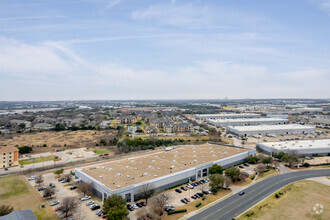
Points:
23	196
55	140
297	202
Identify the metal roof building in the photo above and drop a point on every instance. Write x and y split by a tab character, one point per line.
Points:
225	116
306	147
247	121
263	130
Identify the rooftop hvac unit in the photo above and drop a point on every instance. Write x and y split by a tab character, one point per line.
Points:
127	167
161	162
118	174
194	155
100	176
145	174
173	161
127	176
149	167
155	175
132	161
109	169
158	168
172	167
135	168
153	161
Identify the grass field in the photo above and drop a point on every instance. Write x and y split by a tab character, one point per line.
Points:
16	192
101	151
191	206
38	160
297	202
55	140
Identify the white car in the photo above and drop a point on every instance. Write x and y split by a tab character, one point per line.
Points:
54	203
85	198
190	186
90	203
32	178
135	206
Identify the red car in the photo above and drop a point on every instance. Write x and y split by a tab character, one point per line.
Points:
187	199
58	208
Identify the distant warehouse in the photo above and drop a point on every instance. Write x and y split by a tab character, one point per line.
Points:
263	130
247	121
225	116
306	147
159	170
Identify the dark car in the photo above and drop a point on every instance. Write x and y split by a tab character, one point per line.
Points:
183	188
60	179
197	183
143	203
200	194
184	201
202	181
138	205
129	207
240	166
149	215
246	164
73	187
178	190
197	196
194	197
52	185
241	193
41	188
95	208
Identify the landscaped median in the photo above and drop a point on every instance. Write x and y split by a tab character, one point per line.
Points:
304	199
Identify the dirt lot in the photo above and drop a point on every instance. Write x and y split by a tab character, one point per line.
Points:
16	192
55	140
300	200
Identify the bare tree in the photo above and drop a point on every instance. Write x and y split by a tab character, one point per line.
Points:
141	213
261	168
69	204
227	182
243	175
68	177
39	179
159	203
275	163
49	192
146	191
85	187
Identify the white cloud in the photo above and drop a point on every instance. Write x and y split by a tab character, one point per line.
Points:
56	65
323	4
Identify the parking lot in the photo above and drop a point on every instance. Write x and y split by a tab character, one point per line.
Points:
62	191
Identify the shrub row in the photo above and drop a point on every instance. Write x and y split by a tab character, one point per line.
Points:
177	211
249	213
198	204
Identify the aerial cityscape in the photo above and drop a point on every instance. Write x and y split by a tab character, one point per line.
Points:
174	109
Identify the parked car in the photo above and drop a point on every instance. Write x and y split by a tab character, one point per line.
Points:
129	207
138	205
197	183
143	203
89	203
200	194
41	188
99	212
135	206
95	207
178	190
246	164
205	180
69	218
197	196
241	193
52	185
73	187
149	216
54	203
64	180
58	208
240	166
60	179
208	179
31	178
194	197
183	188
184	201
169	207
190	186
85	198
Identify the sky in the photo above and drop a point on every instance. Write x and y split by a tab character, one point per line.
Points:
164	49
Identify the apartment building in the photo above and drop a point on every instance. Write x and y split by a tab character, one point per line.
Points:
9	156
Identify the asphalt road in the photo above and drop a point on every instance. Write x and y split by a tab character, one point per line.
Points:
236	204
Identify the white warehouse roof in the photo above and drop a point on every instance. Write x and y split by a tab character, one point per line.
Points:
297	145
271	127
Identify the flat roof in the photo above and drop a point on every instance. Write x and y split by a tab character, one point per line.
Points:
247	119
270	127
310	144
129	171
7	149
225	115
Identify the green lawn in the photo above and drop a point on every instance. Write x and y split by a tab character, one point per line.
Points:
12	187
38	160
102	151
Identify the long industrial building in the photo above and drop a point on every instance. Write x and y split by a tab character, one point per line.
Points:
225	116
306	147
247	121
244	131
159	170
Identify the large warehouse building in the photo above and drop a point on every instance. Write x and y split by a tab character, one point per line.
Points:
225	116
244	131
247	121
161	169
307	147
